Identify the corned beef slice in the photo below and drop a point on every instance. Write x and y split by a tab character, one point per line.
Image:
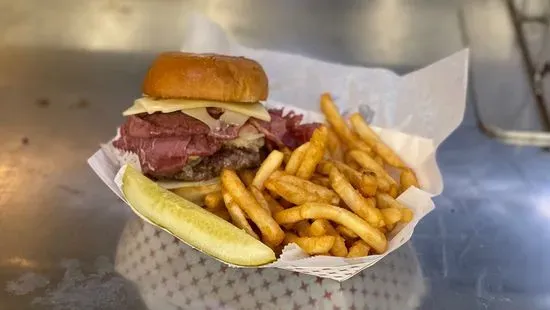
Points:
285	130
164	141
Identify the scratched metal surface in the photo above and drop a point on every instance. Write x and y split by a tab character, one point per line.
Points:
67	69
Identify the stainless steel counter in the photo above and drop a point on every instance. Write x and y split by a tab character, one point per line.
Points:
67	69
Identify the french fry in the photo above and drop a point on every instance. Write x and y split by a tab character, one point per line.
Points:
391	215
269	165
287	153
379	160
213	201
394	192
272	234
302	228
260	198
324	167
374	141
386	201
320	180
334	146
408	179
312	245
360	205
237	215
339	248
372	236
222	213
314	153
326	194
406	215
293	193
346	232
338	124
365	161
359	249
296	159
321	227
348	160
274	206
365	182
247	175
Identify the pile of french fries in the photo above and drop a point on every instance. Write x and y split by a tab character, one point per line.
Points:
331	196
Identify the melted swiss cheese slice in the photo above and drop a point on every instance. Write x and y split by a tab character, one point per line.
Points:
149	105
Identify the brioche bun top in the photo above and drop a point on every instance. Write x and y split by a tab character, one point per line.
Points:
179	75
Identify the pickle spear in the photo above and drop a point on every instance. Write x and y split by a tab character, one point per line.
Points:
191	223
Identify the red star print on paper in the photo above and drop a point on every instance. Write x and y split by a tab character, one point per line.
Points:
328	295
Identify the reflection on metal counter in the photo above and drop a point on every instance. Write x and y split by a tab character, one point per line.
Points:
170	274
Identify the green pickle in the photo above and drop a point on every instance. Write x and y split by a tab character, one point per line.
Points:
191	223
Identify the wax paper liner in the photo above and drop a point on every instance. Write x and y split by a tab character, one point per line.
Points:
416	111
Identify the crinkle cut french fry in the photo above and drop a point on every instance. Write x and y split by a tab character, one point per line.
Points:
359	249
302	228
260	198
314	153
312	245
287	153
365	161
296	159
372	236
324	167
237	215
386	201
339	248
391	215
247	175
272	234
213	201
365	182
326	194
346	232
321	227
408	179
374	141
359	204
406	215
338	124
293	193
268	166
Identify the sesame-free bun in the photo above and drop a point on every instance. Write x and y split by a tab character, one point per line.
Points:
205	76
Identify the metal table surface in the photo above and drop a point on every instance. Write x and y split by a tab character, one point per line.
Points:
67	69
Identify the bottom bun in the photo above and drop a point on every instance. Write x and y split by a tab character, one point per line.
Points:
195	191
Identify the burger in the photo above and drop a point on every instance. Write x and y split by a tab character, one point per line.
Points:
201	113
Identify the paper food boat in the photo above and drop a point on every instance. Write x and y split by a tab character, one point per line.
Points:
413	113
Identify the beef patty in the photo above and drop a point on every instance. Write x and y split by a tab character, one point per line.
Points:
210	167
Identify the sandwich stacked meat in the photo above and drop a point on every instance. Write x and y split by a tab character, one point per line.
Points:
201	113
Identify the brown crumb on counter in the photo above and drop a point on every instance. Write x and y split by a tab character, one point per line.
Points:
42	102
